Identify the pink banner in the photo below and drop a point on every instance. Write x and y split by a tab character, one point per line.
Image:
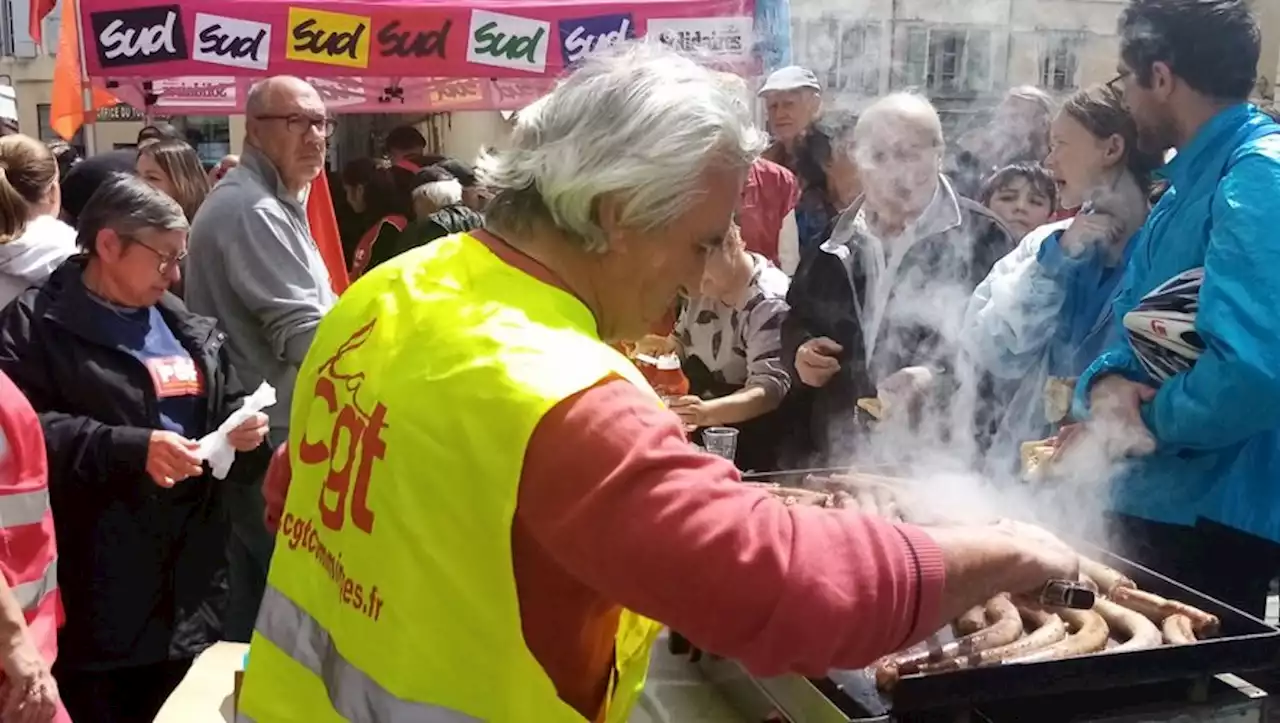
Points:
209	46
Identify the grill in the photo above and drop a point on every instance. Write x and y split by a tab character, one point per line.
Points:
1203	681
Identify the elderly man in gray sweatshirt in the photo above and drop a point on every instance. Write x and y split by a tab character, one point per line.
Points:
254	266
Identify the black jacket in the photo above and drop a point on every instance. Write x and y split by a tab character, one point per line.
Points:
142	569
825	295
422	231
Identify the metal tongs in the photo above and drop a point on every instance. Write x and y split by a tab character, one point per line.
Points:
1072	594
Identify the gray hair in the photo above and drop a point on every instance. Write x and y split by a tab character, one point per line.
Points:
125	204
898	109
440	193
639	121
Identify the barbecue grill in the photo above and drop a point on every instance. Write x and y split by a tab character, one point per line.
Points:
1203	681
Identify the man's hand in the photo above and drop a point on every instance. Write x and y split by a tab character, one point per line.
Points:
1089	230
693	411
1116	407
29	693
171	458
817	362
249	434
1047	557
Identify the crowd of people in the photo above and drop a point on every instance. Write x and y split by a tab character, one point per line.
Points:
539	511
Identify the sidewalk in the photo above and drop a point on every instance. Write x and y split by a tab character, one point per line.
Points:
677	693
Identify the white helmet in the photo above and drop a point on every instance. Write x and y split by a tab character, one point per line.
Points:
1162	328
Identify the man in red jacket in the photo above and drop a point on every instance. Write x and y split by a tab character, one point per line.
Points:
30	608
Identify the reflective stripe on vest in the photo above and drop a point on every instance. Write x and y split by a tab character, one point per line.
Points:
29	594
354	695
24	508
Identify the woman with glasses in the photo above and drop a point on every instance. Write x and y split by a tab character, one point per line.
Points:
125	380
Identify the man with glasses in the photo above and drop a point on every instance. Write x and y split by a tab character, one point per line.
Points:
1206	441
255	267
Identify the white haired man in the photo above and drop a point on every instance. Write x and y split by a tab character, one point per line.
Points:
792	102
875	308
256	269
480	483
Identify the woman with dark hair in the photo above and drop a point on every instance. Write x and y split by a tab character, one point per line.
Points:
1023	195
438	210
1044	311
382	209
173	167
66	155
828	176
125	380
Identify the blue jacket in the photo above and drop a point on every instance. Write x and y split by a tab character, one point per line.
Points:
1217	426
1040	314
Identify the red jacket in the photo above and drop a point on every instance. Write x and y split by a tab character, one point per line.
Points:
771	192
28	547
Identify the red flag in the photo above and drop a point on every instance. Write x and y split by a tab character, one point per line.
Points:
38	10
66	108
324	229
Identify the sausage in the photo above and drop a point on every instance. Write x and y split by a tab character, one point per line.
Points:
1054	630
1005	628
1157	608
1089	634
1177	630
972	621
1138	632
1108	579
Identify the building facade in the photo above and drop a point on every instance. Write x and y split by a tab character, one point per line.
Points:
964	54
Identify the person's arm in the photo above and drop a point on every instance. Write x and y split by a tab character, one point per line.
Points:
800	318
1015	311
767	378
1233	390
29	692
669	532
269	270
789	245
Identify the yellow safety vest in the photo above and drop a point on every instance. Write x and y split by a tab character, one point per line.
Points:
391	595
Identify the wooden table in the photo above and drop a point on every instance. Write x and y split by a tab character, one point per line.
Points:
205	695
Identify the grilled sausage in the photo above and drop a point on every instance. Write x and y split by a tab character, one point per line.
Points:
1005	628
1108	579
1177	630
1138	632
972	621
1157	608
1054	630
1088	635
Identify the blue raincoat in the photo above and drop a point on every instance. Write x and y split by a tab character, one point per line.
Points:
1040	314
1217	426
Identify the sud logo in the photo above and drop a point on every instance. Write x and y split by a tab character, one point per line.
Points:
319	36
139	35
579	38
508	41
231	41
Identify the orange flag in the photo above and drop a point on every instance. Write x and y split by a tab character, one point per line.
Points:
324	229
66	108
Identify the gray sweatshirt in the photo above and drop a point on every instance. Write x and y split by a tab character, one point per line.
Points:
254	267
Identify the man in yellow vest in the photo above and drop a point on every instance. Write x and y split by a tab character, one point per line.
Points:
489	506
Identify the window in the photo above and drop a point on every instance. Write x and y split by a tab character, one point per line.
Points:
946	60
1059	62
845	56
46	130
210	135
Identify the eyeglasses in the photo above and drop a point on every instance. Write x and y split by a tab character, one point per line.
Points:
167	261
299	124
1115	84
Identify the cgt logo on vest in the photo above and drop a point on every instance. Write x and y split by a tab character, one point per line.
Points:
580	38
354	439
233	42
508	41
319	36
139	36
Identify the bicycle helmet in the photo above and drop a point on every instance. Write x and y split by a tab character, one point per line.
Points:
1162	328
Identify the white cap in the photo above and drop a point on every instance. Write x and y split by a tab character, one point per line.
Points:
792	77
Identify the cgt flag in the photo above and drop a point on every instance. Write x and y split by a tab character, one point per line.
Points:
38	10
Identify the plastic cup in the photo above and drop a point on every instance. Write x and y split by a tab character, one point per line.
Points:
721	441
